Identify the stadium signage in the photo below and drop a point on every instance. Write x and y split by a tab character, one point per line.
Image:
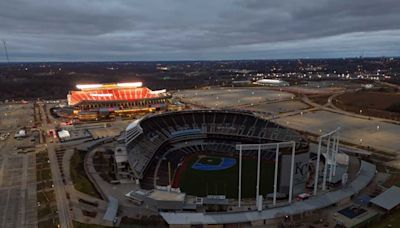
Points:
301	168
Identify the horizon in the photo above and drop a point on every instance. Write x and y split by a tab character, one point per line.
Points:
199	60
83	30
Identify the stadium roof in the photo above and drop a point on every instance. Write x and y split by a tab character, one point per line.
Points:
366	173
109	86
133	124
388	199
64	134
271	82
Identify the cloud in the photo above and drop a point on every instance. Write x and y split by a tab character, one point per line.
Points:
176	29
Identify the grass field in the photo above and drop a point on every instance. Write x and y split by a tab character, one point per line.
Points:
51	222
79	178
392	220
225	182
85	225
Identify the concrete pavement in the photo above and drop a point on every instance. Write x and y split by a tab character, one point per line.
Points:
17	171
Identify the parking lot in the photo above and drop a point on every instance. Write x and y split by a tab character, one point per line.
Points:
377	135
277	107
18	191
231	97
17	171
15	116
368	133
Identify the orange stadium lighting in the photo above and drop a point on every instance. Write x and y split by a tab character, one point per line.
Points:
89	86
130	84
158	91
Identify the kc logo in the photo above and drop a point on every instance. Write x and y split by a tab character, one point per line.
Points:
301	168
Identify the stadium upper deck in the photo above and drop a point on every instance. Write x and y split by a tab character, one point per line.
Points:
145	137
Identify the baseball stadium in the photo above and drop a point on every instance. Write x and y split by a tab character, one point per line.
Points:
196	152
225	166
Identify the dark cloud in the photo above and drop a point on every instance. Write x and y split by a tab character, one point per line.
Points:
191	29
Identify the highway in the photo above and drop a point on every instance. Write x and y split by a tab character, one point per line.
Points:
62	202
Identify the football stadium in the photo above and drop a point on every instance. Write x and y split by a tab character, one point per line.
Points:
94	101
196	151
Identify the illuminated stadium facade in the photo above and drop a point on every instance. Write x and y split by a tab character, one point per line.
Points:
117	98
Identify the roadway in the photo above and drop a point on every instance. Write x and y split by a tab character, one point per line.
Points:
59	188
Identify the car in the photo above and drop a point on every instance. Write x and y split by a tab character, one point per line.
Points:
303	196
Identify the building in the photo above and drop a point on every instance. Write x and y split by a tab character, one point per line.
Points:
99	101
153	150
20	134
271	82
168	138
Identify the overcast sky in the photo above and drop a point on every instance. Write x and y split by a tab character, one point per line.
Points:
90	30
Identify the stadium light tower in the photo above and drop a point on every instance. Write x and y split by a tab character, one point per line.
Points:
332	148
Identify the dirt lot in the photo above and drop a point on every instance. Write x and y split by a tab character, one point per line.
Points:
312	90
320	99
371	103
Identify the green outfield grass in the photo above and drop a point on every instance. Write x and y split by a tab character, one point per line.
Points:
225	182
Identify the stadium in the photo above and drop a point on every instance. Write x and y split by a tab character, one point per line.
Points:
94	101
196	153
232	167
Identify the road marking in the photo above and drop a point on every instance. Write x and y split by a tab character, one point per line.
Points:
6	207
23	189
5	158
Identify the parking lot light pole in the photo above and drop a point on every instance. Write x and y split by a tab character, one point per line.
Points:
292	172
276	174
240	177
258	175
